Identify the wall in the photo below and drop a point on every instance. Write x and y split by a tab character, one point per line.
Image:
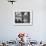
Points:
9	31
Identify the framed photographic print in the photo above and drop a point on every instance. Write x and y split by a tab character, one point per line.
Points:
23	18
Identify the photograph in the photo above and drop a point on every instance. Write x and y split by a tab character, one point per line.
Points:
23	18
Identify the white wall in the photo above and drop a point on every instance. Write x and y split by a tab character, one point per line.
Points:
9	31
